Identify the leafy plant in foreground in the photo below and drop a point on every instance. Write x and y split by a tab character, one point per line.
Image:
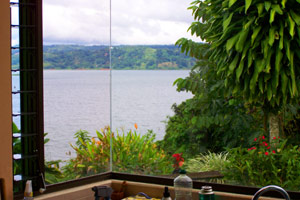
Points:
208	162
255	45
132	153
265	163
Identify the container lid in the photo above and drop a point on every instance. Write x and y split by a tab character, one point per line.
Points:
182	171
166	192
206	189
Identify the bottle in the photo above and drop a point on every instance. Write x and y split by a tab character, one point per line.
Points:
166	195
183	186
206	193
28	194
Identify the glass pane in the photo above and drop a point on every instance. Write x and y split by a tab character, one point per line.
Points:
15	38
76	86
145	65
14	13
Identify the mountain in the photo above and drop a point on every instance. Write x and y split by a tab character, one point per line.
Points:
123	57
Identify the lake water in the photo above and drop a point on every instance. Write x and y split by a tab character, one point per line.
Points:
80	99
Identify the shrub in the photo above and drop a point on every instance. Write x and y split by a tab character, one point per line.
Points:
208	162
132	153
264	164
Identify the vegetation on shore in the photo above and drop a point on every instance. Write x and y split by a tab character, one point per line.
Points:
124	57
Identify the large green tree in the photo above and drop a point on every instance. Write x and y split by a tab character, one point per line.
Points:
256	47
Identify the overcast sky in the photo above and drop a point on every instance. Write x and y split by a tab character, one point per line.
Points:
133	21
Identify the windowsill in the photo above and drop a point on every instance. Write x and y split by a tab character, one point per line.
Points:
154	190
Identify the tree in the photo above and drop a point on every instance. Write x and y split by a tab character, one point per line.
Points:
207	121
256	47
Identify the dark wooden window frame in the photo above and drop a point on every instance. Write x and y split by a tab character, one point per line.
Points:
31	157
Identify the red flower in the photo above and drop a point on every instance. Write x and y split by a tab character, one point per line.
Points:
263	137
266	153
255	139
274	138
266	144
178	160
268	147
253	147
177	156
273	151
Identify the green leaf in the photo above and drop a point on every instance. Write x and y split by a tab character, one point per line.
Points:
231	2
272	16
247	5
269	92
284	82
281	31
255	33
283	3
231	42
260	8
241	42
271	35
233	64
295	17
267	5
275	76
277	8
292	26
294	85
239	70
226	22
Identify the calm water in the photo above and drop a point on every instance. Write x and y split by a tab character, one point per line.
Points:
75	100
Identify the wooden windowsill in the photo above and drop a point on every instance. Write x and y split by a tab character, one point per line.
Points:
154	190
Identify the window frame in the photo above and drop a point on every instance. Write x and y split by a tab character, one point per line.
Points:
107	175
31	93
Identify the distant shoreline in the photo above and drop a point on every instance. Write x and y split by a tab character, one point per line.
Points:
123	57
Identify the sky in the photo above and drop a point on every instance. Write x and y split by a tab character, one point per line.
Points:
133	22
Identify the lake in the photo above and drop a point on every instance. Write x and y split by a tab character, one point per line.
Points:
80	99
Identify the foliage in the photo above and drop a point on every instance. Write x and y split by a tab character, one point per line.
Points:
208	162
263	164
255	45
123	57
52	172
93	154
208	121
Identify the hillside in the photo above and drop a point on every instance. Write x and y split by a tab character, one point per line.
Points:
123	57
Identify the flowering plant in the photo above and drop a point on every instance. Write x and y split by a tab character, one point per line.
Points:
265	163
178	161
263	147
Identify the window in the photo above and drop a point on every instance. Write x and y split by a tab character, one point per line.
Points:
31	112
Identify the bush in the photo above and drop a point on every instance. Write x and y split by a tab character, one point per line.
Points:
208	162
132	153
264	164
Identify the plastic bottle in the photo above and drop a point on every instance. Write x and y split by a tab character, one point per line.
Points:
206	193
183	186
28	194
166	195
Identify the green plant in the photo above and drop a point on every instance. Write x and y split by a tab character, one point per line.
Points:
255	45
93	154
208	162
265	163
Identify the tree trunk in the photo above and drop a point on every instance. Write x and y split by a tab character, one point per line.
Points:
273	126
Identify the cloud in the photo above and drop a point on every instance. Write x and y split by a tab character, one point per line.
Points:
133	21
